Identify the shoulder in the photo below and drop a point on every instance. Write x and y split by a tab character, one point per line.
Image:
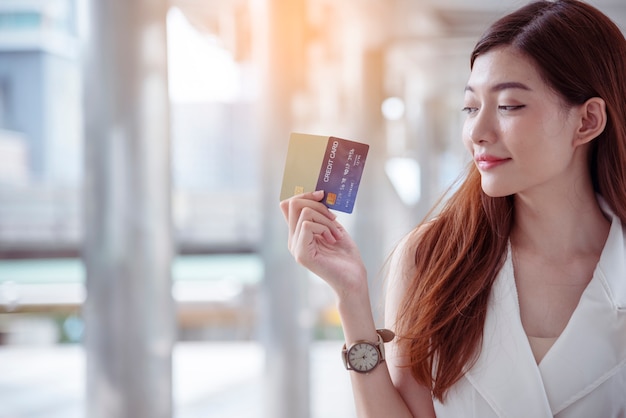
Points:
401	263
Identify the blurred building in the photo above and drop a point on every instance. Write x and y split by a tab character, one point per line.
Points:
40	125
40	92
215	146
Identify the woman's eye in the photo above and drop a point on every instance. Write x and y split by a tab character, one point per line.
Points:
470	110
510	108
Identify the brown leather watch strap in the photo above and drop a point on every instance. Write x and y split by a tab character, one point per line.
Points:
386	334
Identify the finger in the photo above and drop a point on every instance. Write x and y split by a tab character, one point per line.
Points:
295	208
296	203
317	195
334	227
311	215
332	230
309	241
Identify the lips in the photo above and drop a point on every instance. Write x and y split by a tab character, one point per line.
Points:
487	162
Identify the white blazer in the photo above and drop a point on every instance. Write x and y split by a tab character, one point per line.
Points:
584	373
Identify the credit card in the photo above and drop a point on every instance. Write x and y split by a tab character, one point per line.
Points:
328	163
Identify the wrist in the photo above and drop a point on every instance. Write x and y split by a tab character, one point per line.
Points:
354	289
357	318
354	303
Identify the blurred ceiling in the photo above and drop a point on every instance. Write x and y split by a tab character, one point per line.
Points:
419	35
407	18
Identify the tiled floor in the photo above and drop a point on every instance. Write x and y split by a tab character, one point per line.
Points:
48	381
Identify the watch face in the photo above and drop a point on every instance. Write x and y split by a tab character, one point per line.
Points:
363	357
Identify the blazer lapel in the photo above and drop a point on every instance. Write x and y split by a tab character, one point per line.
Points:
593	345
506	374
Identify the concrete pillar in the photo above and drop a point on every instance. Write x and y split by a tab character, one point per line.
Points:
129	311
285	332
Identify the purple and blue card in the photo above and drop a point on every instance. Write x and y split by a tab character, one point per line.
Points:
326	163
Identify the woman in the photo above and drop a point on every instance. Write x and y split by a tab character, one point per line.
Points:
511	302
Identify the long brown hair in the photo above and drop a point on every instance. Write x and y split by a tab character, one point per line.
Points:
581	54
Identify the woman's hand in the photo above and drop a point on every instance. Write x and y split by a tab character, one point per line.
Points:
321	244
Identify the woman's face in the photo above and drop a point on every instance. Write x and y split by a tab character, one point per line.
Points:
519	132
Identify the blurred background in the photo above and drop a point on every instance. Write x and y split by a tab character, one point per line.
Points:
143	262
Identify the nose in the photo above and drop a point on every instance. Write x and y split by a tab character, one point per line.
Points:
480	127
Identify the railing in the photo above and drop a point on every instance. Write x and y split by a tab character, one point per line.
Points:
42	220
216	295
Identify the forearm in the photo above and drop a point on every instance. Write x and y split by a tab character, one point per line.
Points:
374	392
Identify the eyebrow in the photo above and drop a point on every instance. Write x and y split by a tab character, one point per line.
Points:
504	86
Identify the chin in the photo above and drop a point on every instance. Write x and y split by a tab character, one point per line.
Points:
492	191
498	194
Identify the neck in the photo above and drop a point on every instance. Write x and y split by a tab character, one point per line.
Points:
559	225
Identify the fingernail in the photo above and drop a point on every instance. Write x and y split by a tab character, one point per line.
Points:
318	193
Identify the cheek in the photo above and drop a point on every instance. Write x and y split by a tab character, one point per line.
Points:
467	142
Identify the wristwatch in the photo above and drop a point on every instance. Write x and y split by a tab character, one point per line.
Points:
363	356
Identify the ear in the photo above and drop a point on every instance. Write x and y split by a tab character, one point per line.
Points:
592	120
